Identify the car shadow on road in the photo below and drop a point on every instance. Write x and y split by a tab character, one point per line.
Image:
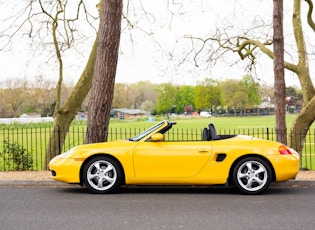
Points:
220	190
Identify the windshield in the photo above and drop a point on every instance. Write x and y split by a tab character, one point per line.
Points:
146	132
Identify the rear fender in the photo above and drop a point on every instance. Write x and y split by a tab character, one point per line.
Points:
251	155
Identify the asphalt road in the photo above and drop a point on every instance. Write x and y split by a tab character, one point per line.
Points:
155	208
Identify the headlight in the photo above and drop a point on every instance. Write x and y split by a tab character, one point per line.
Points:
65	155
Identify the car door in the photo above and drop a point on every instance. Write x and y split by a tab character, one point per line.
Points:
170	159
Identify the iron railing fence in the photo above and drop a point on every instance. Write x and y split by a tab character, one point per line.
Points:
25	148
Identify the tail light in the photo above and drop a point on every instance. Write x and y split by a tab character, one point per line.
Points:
284	150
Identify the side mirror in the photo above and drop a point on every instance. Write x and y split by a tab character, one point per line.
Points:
157	137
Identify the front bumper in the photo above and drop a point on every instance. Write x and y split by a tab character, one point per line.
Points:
66	170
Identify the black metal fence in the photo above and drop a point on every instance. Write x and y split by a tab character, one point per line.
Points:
25	148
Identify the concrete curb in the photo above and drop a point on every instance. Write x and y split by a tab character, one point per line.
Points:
51	183
34	183
294	183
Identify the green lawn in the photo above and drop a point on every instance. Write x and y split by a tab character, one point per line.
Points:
34	137
219	122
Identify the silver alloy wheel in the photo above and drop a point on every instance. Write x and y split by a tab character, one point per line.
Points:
252	176
101	175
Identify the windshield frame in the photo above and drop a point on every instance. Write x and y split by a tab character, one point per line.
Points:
148	131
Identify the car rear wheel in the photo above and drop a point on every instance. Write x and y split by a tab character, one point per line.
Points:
252	175
102	175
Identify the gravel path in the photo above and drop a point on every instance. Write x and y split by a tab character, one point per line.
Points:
46	175
26	175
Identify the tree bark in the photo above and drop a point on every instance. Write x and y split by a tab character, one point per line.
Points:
104	71
306	116
65	115
279	82
302	70
301	126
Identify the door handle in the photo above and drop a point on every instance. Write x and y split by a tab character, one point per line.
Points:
203	150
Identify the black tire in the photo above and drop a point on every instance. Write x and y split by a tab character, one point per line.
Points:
102	175
252	175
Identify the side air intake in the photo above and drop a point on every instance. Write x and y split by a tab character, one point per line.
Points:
221	157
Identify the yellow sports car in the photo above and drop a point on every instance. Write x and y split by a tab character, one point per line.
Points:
250	164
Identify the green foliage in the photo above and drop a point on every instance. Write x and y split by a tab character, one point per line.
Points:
207	94
166	98
185	98
241	94
18	157
251	88
29	109
229	87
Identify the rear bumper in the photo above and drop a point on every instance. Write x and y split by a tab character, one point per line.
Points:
286	167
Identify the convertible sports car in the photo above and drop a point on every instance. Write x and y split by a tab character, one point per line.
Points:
250	164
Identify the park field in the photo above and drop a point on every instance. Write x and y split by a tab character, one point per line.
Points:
186	122
34	137
221	123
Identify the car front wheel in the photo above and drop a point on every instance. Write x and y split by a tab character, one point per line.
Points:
252	175
102	175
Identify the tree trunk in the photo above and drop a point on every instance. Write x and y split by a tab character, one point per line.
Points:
301	126
306	117
302	69
105	71
279	82
65	115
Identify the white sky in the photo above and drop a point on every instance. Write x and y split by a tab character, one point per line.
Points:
144	57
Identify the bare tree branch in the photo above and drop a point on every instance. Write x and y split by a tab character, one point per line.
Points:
309	14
